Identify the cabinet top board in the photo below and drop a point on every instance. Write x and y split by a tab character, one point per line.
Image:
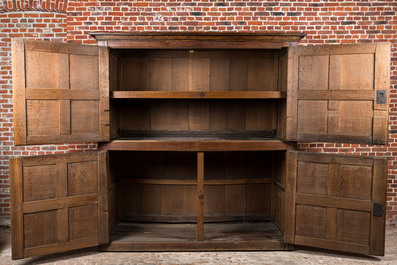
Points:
197	40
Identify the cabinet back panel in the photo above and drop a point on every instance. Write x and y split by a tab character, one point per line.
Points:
198	115
198	70
161	186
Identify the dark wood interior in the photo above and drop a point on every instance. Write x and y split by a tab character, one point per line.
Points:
215	94
161	187
171	99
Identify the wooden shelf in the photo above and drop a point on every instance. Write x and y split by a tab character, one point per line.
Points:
194	145
194	182
199	94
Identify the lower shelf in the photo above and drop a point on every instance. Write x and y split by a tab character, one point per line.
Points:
182	237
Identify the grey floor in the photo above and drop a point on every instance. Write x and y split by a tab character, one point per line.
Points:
299	256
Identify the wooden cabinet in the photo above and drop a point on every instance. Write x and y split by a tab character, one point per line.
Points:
197	140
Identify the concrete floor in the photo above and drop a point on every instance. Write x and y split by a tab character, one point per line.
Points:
299	256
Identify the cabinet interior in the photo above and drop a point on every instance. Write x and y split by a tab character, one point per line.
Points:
216	94
156	193
197	96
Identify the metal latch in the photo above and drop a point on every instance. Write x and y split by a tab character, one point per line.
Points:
381	97
378	210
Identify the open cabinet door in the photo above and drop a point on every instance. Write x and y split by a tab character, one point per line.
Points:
61	92
338	93
336	202
58	203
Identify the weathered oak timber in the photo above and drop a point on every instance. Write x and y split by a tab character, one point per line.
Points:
196	40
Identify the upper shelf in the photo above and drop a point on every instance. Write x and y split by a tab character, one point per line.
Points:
197	40
200	95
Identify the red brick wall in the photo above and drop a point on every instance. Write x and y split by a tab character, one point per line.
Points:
325	22
29	24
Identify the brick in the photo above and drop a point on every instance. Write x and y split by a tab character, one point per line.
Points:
325	22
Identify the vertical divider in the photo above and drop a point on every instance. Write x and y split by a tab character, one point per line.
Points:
200	196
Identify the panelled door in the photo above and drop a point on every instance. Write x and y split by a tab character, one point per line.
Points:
338	93
336	202
61	92
58	203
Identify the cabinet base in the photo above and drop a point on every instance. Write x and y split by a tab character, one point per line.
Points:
182	237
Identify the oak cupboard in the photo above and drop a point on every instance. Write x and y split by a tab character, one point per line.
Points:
197	137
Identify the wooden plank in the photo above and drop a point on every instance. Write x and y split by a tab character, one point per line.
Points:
61	247
62	179
292	94
219	74
313	72
377	230
200	196
276	71
103	175
160	74
134	73
60	158
199	116
260	116
260	74
211	182
160	116
199	95
382	73
104	94
290	203
268	244
336	138
179	116
61	139
335	245
212	215
64	117
331	228
58	47
337	49
172	200
62	224
198	40
18	83
336	95
238	74
17	238
334	202
339	159
64	71
380	127
179	74
382	82
172	235
236	116
218	116
54	204
190	201
198	74
216	145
